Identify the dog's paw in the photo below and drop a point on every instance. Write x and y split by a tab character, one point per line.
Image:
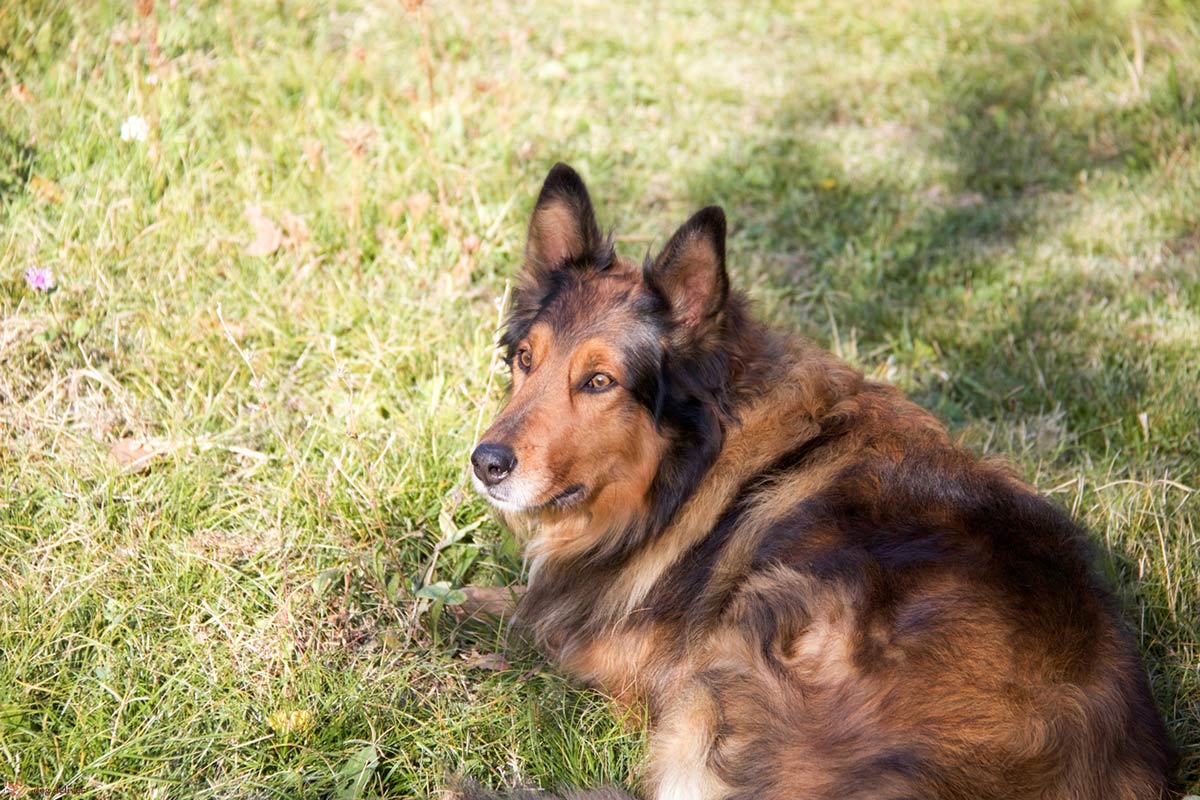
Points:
497	602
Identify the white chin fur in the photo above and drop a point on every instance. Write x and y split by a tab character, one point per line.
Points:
515	503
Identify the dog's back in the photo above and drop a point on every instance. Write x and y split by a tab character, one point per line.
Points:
883	615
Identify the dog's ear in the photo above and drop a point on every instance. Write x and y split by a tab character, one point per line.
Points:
690	273
563	228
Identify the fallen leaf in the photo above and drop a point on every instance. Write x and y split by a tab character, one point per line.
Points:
493	662
417	205
20	93
314	153
135	454
358	138
46	190
267	235
352	208
395	211
295	228
460	273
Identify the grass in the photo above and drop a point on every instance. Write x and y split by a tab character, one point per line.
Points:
992	205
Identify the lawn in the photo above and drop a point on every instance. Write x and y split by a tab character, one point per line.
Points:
233	498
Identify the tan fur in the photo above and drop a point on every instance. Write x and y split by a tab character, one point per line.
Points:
748	448
679	754
617	665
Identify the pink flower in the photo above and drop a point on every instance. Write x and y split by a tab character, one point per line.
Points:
40	279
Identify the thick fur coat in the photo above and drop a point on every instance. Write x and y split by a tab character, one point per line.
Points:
806	585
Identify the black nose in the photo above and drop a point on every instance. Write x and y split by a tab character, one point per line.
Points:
493	462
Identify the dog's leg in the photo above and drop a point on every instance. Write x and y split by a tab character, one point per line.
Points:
681	749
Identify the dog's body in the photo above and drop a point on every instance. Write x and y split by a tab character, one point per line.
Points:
808	587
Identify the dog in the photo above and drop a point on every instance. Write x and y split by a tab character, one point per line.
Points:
792	572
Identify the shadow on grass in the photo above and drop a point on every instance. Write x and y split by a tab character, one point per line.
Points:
951	276
946	267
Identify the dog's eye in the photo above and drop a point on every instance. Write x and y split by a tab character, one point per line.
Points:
524	359
599	382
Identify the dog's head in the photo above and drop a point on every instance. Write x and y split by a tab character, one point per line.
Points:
616	367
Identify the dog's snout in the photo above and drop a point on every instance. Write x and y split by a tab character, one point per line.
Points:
493	462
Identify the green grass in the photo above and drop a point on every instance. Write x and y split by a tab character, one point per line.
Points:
992	205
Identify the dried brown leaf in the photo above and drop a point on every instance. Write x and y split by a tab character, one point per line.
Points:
295	229
395	211
417	205
493	662
136	454
267	235
314	154
460	273
46	190
358	138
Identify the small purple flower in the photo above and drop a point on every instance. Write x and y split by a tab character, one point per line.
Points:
40	279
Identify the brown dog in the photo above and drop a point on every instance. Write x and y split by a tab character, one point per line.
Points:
809	589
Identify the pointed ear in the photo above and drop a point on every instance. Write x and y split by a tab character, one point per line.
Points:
690	272
563	227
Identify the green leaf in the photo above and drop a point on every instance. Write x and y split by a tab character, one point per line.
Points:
442	593
325	579
450	531
11	717
393	587
354	775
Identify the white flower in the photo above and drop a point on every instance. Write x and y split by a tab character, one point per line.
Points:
134	129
